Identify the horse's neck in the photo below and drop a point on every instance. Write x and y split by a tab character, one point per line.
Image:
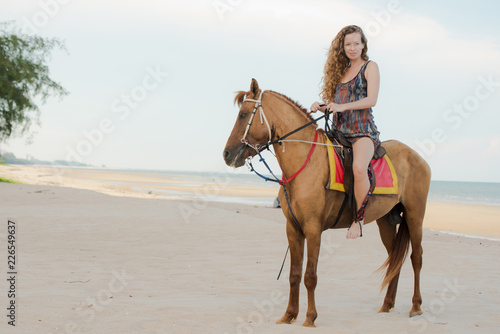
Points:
292	153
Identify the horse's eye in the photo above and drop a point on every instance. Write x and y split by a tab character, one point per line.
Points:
243	114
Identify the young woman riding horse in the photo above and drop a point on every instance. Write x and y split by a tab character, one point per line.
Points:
265	118
350	87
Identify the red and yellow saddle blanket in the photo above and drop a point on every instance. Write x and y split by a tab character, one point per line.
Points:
386	180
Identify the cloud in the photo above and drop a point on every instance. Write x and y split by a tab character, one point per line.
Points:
425	44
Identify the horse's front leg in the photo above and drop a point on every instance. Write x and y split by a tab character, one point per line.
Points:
311	277
296	243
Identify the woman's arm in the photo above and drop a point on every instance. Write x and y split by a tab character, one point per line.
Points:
372	76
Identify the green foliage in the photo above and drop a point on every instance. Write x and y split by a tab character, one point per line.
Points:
10	158
24	76
3	179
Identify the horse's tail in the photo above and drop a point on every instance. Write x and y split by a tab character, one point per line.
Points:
398	252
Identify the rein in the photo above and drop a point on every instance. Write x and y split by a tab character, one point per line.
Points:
283	181
263	118
259	148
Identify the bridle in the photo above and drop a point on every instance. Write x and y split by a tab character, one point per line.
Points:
263	118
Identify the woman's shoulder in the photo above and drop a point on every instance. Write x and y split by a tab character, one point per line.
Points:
371	68
371	64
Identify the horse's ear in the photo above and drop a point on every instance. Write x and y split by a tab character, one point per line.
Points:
254	88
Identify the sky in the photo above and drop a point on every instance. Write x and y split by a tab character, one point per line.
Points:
151	83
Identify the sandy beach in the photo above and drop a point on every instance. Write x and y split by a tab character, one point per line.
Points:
96	254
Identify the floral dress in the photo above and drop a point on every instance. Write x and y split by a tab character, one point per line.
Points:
358	122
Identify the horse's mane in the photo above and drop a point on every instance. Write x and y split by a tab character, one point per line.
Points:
240	96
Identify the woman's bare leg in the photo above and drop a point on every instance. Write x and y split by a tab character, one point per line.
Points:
363	150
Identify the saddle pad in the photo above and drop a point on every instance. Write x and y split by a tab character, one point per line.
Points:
386	180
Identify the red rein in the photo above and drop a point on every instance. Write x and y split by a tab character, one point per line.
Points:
283	181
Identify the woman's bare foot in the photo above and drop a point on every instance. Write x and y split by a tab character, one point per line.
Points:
355	231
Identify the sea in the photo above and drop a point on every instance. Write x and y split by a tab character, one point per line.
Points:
486	193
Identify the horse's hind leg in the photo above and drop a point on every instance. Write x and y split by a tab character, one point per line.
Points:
296	243
387	234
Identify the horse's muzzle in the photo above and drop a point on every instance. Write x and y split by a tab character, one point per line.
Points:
235	157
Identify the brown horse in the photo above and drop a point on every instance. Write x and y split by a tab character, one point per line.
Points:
315	207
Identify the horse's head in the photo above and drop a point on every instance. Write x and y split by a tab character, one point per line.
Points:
250	130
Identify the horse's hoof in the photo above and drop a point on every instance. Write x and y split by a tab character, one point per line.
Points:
415	310
385	309
308	323
285	320
414	314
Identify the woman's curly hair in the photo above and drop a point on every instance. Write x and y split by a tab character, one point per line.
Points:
337	62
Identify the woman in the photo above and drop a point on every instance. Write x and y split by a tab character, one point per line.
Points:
350	87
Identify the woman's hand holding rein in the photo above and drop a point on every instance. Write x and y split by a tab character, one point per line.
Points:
332	107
